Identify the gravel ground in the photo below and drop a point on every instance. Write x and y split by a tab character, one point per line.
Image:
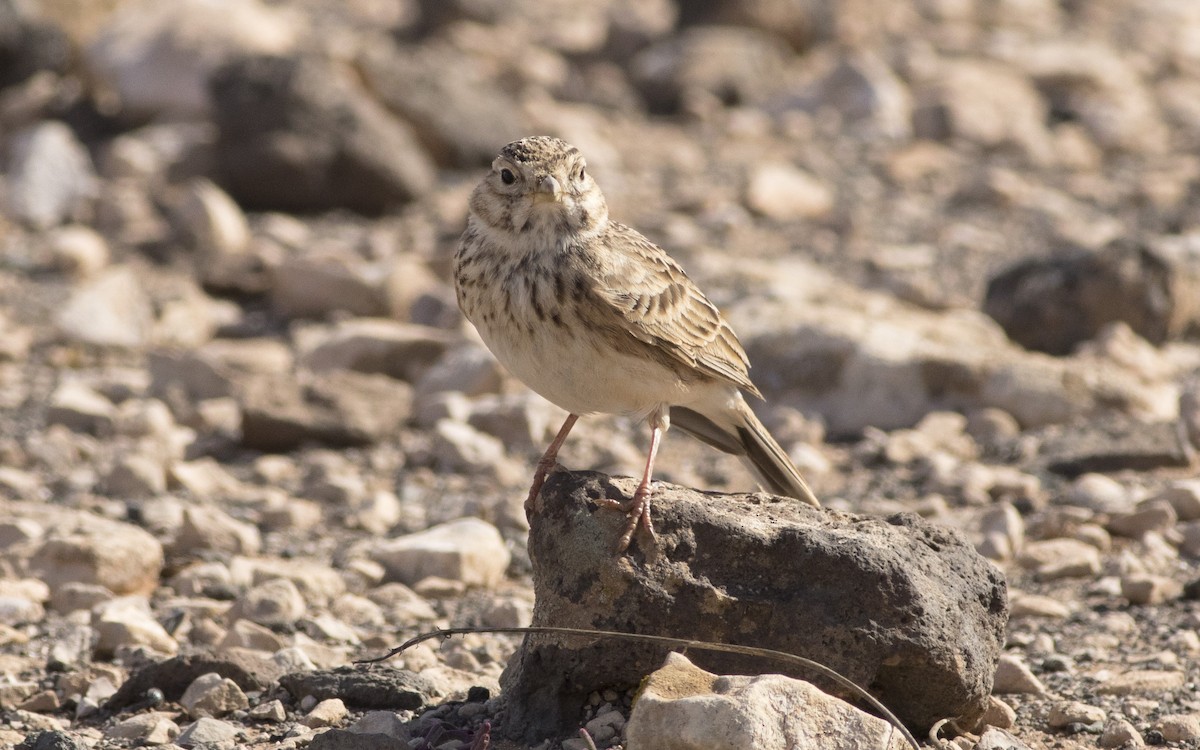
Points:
243	425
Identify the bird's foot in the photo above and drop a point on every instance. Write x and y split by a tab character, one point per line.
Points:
637	513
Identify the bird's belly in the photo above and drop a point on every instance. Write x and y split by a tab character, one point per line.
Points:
577	372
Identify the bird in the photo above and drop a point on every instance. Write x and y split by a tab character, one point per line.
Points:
597	319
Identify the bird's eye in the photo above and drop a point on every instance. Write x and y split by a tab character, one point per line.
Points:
507	177
582	174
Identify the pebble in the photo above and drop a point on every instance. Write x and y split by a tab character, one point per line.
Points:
1100	493
329	712
207	732
128	622
1052	559
468	550
1180	727
1074	712
998	714
1184	496
1152	516
1119	733
274	602
50	175
1035	605
1150	589
211	694
270	711
111	309
1014	676
784	193
1142	682
153	728
78	250
210	528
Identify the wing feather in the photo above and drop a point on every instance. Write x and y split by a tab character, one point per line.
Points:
656	303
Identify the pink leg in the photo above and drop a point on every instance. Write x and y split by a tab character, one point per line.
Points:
547	461
638	509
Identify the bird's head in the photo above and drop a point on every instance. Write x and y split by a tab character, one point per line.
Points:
540	185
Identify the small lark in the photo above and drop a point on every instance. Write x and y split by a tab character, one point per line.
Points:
599	320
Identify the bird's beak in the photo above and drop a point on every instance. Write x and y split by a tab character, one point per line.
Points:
548	190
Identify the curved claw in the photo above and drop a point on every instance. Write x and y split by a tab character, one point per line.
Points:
637	512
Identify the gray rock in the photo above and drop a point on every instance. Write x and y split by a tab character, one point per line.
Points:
111	310
683	707
313	286
1054	304
80	407
935	610
338	408
52	740
173	676
377	345
372	686
341	739
1113	444
459	110
50	175
158	59
300	134
153	728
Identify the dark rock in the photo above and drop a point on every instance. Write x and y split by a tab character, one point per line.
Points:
50	741
299	134
1114	444
898	605
341	739
461	114
340	408
369	686
28	47
1054	304
173	676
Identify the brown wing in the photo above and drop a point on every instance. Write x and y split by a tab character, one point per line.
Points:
659	305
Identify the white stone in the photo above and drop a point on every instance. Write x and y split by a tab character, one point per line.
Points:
78	250
327	713
682	707
212	695
207	732
210	528
783	192
273	602
468	550
152	728
111	310
50	175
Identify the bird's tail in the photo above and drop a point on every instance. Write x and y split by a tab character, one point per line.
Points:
739	432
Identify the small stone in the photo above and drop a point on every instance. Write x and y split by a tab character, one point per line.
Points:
1100	493
207	732
136	475
1074	712
78	250
1180	727
461	448
273	602
1184	497
1119	733
153	728
50	175
1052	559
327	713
78	407
212	695
1035	605
783	192
1142	682
1150	589
127	622
111	310
998	714
400	605
995	738
245	633
270	711
1152	516
210	528
1014	676
468	550
120	557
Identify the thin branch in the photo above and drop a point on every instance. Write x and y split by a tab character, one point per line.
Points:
685	643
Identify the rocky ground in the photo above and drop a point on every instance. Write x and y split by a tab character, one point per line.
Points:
247	437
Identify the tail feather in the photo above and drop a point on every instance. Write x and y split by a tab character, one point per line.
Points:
747	437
